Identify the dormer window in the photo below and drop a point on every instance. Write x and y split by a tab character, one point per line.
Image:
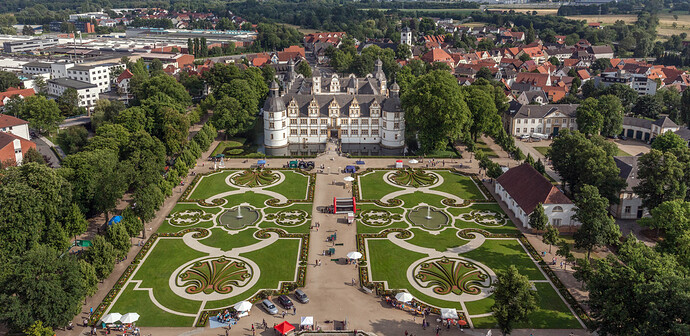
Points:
292	107
335	84
333	109
375	110
354	108
313	108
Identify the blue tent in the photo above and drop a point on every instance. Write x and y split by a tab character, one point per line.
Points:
261	162
350	169
115	220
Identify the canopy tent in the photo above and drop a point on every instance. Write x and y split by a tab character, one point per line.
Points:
111	318
220	156
413	161
261	162
449	313
115	220
293	164
129	318
354	255
404	297
243	306
307	321
284	327
350	169
398	164
349	179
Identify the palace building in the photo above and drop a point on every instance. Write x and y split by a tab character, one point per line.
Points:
363	114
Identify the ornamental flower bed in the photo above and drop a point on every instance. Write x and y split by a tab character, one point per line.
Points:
412	177
470	234
255	178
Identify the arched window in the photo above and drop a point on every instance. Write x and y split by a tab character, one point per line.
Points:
557	209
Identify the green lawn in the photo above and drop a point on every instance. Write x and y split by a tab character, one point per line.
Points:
211	185
361	228
414	199
222	239
232	143
440	242
277	263
159	266
293	187
150	314
459	185
373	187
542	150
552	312
620	152
499	254
256	200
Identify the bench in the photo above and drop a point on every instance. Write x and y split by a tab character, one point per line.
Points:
339	244
335	259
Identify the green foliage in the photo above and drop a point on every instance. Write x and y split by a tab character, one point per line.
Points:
40	286
148	200
117	236
89	278
674	218
304	69
436	109
72	139
68	102
597	227
32	155
538	219
661	178
105	111
42	114
589	120
551	236
513	297
8	80
75	222
603	115
484	116
667	141
572	150
101	255
648	106
37	329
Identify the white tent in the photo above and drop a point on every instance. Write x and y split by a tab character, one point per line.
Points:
243	306
404	297
449	313
413	161
354	255
112	318
349	179
129	318
307	321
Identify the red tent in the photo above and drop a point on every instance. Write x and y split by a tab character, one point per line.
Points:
284	327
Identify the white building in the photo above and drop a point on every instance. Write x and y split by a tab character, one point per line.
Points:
36	68
544	119
522	188
638	82
406	36
646	130
350	110
98	75
16	126
629	204
88	93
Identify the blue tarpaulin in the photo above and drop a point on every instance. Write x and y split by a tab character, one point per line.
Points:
115	220
261	162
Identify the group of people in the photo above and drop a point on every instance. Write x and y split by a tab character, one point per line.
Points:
413	307
227	317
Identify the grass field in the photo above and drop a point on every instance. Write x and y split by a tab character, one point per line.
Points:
294	187
665	28
372	185
210	185
459	185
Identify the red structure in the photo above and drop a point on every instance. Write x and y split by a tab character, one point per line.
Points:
344	205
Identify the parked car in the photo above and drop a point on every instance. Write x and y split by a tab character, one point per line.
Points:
270	307
301	296
285	302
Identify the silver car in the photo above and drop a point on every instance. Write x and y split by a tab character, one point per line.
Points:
270	307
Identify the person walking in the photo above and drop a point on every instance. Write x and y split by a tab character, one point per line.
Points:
265	325
294	310
284	312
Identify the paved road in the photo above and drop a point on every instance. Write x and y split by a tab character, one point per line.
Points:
43	145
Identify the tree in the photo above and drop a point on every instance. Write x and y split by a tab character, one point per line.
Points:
597	228
304	69
75	222
583	270
589	119
403	52
40	86
72	139
648	106
564	250
513	297
436	109
119	238
37	329
484	117
572	150
89	278
27	30
485	73
8	80
685	107
106	111
601	64
611	111
42	114
101	255
674	218
40	286
530	34
551	236
131	221
148	199
538	219
639	293
661	179
68	102
524	57
32	155
667	141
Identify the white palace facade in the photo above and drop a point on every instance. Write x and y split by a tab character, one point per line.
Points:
361	113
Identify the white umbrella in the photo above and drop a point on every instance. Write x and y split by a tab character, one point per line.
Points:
404	297
413	161
354	255
129	318
243	306
112	318
349	179
449	313
307	320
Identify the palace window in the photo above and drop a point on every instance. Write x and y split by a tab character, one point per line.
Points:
303	132
313	121
324	121
293	132
374	121
354	132
365	121
314	132
375	132
396	126
324	132
365	132
293	121
303	121
354	122
271	125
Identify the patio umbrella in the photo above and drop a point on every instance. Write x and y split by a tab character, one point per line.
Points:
307	321
243	306
129	318
354	255
462	322
284	327
112	318
449	313
404	297
413	161
349	179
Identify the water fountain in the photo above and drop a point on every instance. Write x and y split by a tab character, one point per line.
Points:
428	212
239	212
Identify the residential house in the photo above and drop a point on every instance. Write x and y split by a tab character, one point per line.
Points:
548	119
16	126
629	203
14	92
13	148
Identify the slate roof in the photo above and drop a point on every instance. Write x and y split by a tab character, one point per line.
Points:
540	111
529	188
71	83
683	133
628	168
665	122
637	122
